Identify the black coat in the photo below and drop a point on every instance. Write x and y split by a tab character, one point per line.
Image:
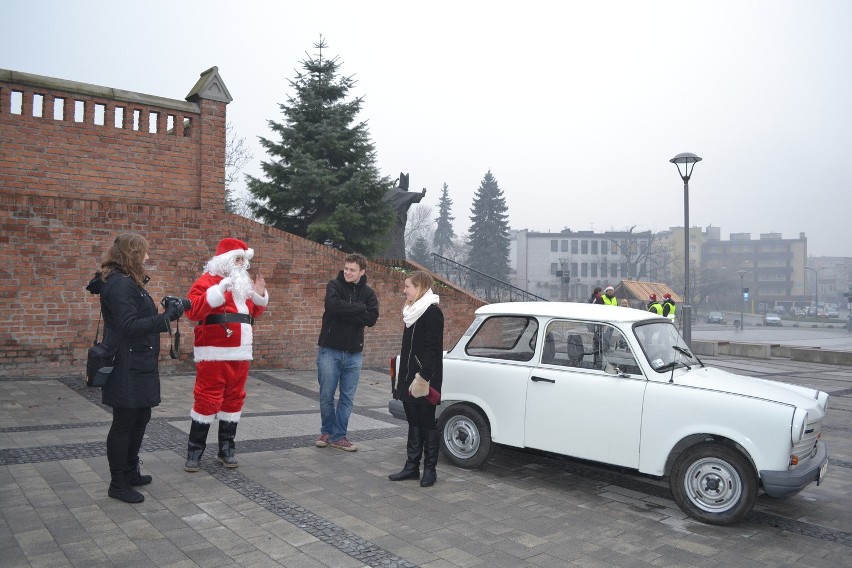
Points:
422	352
348	309
132	327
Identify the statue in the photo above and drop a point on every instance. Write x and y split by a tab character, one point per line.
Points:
401	200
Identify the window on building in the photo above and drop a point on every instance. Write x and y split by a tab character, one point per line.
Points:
613	270
603	269
594	247
594	268
554	246
553	268
613	247
574	269
564	246
574	247
584	269
584	247
624	270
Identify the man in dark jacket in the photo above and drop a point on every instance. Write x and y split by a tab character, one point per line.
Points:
350	305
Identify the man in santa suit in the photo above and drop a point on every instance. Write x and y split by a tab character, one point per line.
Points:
225	302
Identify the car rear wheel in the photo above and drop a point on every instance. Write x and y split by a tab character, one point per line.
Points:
465	436
714	484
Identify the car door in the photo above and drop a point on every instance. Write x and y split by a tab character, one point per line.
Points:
574	407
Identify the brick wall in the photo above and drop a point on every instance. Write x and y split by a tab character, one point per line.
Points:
67	187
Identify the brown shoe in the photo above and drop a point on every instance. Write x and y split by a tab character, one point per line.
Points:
345	445
322	441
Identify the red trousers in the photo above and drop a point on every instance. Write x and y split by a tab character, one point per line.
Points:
220	386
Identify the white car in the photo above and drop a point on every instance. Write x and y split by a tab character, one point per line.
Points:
619	386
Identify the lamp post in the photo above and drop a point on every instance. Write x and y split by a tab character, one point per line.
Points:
816	287
688	160
742	298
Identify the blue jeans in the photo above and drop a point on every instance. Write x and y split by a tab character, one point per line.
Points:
337	368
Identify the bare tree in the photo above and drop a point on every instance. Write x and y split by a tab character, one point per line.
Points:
419	225
237	156
641	252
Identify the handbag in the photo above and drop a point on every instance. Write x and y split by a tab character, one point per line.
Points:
420	387
100	361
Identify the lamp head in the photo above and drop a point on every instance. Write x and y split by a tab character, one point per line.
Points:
688	159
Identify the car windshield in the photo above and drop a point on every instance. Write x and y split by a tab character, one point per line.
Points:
664	347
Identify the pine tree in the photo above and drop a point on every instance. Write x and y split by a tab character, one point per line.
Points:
489	230
322	181
444	234
420	252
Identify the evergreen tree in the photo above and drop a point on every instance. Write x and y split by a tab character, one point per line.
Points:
444	234
322	181
420	252
489	230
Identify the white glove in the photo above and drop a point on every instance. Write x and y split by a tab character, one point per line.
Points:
226	284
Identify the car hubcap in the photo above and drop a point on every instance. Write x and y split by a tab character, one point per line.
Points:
461	437
713	485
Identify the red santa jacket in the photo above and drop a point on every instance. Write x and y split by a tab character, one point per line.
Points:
221	341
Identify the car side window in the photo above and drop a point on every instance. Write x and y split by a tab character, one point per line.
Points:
509	338
586	345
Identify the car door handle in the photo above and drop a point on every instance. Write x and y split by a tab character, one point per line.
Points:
540	379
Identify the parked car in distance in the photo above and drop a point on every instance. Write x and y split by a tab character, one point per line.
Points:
778	310
821	313
832	312
715	317
620	386
798	312
771	319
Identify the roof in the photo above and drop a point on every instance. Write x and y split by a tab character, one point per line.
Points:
635	290
571	310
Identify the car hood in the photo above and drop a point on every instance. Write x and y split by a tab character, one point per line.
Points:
806	398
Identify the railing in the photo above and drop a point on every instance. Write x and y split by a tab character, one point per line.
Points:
487	287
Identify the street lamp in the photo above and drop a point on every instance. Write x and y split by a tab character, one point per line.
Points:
742	299
688	160
816	286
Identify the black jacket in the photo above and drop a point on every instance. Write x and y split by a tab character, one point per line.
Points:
422	352
348	309
132	327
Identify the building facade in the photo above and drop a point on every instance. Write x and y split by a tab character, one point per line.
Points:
568	265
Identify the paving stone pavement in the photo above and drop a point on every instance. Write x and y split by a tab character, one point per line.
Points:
292	504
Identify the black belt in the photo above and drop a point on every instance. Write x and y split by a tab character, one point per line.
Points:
228	318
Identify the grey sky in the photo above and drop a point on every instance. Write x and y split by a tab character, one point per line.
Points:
576	107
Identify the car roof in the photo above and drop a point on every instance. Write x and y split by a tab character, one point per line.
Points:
569	310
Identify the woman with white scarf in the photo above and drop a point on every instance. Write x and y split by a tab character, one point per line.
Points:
421	358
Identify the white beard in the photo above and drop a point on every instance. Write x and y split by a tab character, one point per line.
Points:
243	286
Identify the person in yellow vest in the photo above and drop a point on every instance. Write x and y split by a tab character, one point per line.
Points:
669	307
609	298
654	306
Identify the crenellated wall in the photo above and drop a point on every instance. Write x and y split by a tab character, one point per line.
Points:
80	163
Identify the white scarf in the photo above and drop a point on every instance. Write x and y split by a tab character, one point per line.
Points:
411	313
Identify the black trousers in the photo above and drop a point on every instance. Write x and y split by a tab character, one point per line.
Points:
420	414
125	435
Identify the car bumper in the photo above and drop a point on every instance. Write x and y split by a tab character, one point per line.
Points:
787	483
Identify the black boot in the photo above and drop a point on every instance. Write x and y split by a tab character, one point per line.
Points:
134	476
430	458
195	446
227	431
412	464
119	488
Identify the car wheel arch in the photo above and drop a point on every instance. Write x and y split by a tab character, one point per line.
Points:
697	439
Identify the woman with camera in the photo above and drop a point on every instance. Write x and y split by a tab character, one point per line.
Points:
131	327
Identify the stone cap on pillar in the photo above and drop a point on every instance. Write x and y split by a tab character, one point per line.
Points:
210	87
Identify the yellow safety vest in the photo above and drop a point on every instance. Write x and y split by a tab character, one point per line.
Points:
656	308
610	301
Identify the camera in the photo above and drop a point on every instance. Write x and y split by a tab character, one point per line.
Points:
172	300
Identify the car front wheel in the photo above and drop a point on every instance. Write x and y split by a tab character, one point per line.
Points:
465	436
714	484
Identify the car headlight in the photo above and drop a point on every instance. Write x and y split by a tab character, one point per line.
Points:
797	429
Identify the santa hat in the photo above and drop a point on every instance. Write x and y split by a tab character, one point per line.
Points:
230	247
608	288
667	296
653	296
